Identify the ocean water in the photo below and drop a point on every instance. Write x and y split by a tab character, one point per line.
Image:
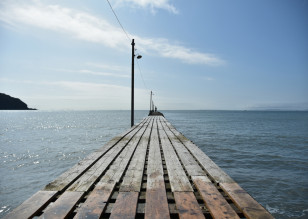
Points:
265	152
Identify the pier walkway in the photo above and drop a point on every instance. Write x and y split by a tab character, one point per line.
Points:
149	171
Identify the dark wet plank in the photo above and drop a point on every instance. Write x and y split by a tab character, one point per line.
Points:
32	205
63	206
96	202
250	207
187	205
156	206
125	206
214	201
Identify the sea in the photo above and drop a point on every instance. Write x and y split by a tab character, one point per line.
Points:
266	152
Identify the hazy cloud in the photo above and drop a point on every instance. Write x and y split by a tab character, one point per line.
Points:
151	4
87	27
83	95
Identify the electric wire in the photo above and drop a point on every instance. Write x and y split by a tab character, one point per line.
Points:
142	76
119	21
129	41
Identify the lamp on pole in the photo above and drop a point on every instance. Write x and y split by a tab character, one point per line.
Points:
133	69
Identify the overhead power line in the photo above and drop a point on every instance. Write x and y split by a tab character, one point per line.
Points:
119	21
129	41
142	76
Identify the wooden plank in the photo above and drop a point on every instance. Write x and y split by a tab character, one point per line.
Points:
177	176
210	167
117	169
133	177
96	202
32	205
250	207
65	179
187	205
63	206
125	206
156	205
214	201
90	177
189	162
155	172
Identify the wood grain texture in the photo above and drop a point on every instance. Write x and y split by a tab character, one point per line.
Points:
32	205
65	179
125	206
189	162
90	177
250	207
177	176
156	206
133	177
96	202
63	206
214	201
155	172
187	205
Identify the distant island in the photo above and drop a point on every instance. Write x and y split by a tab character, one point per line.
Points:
11	103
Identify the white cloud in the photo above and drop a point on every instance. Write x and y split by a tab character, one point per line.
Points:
152	4
87	27
79	95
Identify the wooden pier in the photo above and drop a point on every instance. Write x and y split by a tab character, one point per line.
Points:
149	171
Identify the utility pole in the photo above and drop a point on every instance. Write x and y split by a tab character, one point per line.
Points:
133	63
151	102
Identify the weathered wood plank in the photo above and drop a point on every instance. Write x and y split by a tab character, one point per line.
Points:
63	206
250	207
96	202
177	176
189	162
117	169
156	205
125	206
90	177
32	205
155	172
214	201
211	168
65	179
187	205
133	177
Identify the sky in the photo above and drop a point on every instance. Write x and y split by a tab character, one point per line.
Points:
196	55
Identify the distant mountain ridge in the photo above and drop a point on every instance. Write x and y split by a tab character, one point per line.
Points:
11	103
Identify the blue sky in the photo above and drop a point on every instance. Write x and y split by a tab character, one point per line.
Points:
230	55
